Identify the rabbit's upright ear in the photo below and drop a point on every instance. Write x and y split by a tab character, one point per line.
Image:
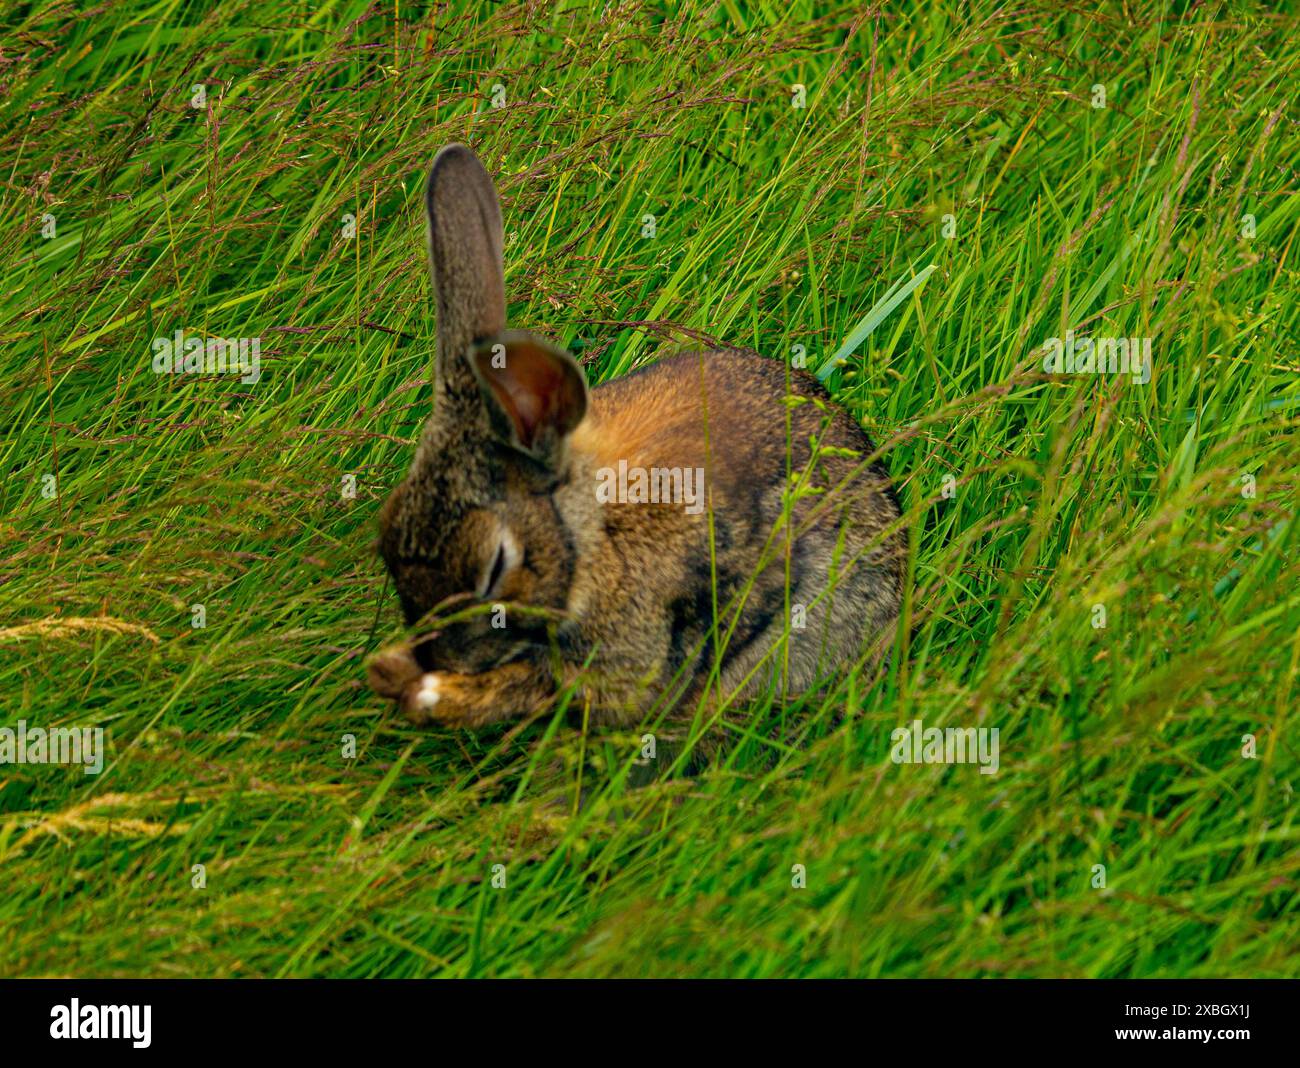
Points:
464	219
535	393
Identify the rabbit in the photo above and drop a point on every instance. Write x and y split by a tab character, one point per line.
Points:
540	582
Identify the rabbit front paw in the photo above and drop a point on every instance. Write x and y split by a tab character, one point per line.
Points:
442	697
420	699
454	700
421	696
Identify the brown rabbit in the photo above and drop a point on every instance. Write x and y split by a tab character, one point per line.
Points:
521	520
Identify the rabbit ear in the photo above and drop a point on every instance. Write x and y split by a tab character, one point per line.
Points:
465	261
535	393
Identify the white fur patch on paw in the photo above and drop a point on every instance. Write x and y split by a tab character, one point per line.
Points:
429	692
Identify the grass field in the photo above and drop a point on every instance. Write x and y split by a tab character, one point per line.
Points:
1104	570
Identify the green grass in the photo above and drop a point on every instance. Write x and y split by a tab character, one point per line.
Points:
776	226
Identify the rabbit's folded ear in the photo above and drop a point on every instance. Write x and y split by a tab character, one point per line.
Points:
464	219
535	393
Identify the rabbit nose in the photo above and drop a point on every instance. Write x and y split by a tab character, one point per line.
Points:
391	669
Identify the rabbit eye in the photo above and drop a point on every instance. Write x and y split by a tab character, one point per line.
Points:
506	557
498	566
